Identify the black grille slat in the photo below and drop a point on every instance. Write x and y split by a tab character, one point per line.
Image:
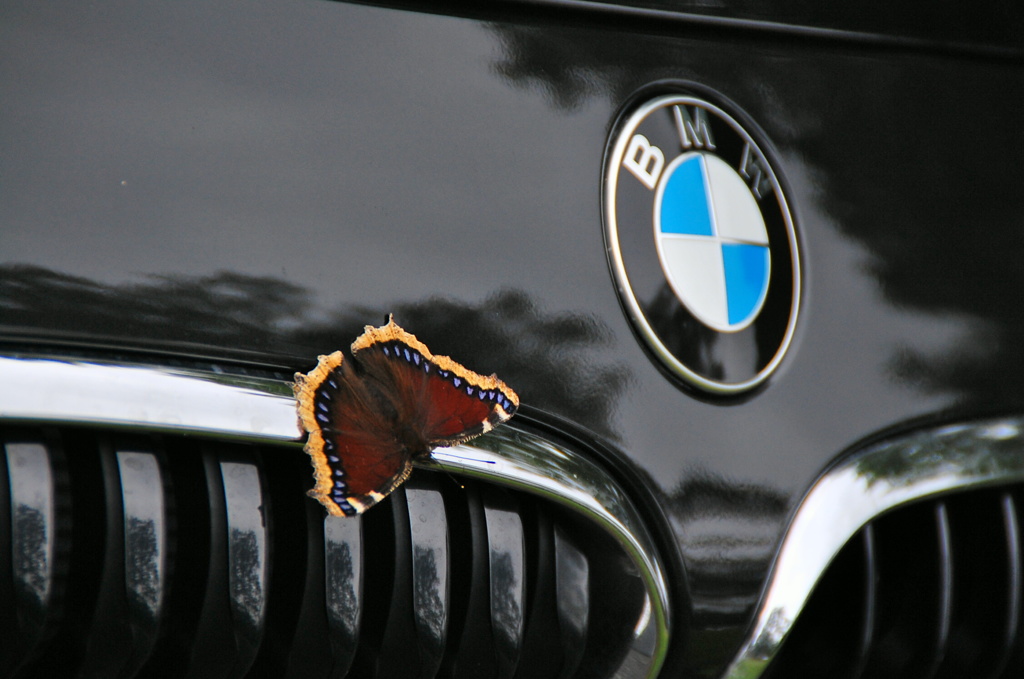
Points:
32	530
943	597
869	620
982	573
30	492
474	649
572	597
248	516
506	564
190	517
428	531
231	619
909	582
146	542
395	656
295	628
542	653
176	556
78	461
10	650
214	647
1012	648
109	631
344	592
946	569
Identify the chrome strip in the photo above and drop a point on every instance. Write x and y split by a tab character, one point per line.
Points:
74	391
47	389
860	489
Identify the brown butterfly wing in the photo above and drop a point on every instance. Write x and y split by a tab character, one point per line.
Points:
438	401
357	460
369	418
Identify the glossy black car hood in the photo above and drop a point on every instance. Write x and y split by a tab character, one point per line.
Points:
254	184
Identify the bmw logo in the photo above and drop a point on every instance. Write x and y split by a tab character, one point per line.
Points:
701	242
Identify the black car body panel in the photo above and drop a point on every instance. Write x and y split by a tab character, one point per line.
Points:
250	185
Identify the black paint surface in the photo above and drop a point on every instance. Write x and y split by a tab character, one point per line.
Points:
255	183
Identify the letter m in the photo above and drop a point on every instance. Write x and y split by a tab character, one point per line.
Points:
693	128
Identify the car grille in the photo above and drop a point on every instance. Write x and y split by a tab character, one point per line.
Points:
902	560
153	521
929	590
172	555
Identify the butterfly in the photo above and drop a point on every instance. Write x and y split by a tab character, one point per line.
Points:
370	417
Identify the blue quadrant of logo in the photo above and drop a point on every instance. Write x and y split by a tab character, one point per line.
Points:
746	278
684	204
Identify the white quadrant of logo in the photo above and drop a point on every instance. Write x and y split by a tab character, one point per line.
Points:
712	241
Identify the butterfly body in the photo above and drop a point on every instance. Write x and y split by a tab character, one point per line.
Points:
369	418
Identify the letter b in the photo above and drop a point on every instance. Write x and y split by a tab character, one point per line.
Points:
644	160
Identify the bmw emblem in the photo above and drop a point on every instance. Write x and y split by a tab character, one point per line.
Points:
701	241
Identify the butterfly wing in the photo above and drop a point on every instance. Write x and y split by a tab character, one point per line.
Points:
367	424
440	400
357	459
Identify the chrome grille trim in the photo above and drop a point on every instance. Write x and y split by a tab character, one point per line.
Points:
168	399
860	488
153	398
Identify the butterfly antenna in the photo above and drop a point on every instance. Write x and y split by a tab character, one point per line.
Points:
447	453
454	480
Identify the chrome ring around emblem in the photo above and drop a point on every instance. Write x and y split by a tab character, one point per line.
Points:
701	242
